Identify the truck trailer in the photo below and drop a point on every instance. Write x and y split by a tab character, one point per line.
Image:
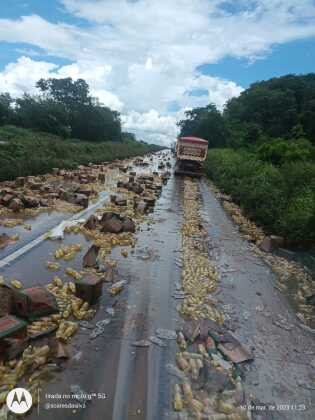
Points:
191	152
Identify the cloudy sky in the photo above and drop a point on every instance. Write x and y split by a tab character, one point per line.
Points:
153	59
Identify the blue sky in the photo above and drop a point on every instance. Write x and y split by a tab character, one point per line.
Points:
52	10
296	57
152	60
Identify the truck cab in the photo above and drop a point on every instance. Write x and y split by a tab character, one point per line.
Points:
191	152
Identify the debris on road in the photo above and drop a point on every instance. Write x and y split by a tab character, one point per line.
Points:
199	276
288	272
61	351
7	240
52	265
99	328
66	330
141	343
58	231
165	334
210	383
89	288
191	330
157	341
90	258
235	352
34	302
11	326
73	273
6	299
16	284
175	371
179	295
40	328
110	311
117	287
67	253
55	313
282	323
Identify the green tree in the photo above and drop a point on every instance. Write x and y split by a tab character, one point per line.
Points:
88	119
42	114
96	123
207	123
5	108
280	107
71	93
128	136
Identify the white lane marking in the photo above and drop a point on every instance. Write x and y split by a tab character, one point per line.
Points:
9	258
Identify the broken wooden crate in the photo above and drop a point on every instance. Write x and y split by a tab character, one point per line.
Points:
11	326
34	302
89	288
6	301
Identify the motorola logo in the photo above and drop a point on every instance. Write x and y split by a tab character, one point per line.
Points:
19	400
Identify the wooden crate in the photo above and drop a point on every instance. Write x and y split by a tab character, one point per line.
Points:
11	326
89	288
34	302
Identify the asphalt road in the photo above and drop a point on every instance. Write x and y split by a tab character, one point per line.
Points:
132	382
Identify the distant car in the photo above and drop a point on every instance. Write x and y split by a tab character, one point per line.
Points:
191	152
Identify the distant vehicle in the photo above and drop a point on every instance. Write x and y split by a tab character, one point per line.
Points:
191	152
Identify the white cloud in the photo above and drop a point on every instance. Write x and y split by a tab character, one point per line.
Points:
21	76
59	39
150	121
109	99
152	126
141	55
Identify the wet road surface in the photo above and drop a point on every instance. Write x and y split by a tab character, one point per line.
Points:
281	372
132	382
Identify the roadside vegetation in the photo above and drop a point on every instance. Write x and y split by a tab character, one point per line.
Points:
62	107
262	153
26	152
62	126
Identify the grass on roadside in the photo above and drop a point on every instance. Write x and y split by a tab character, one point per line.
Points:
25	152
281	199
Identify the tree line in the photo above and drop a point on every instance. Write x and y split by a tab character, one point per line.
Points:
63	107
275	113
262	153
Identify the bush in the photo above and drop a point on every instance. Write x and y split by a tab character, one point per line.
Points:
279	151
25	152
280	199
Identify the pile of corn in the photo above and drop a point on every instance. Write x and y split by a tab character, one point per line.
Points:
29	213
32	365
67	302
247	228
65	207
199	281
107	241
67	252
199	277
9	239
48	323
10	223
287	272
16	284
301	283
199	404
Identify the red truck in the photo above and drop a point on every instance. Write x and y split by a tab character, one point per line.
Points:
191	152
